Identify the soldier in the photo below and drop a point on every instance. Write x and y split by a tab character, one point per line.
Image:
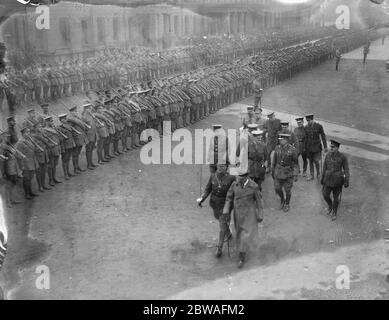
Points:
284	170
257	155
314	132
42	145
272	128
301	138
261	122
102	134
285	129
218	148
54	149
11	123
67	145
246	200
335	175
79	128
258	92
91	133
249	118
218	185
8	162
338	56
30	121
366	50
28	162
45	114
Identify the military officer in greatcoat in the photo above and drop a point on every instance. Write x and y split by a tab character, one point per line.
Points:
336	175
284	170
257	155
285	129
301	139
316	140
258	92
245	199
218	185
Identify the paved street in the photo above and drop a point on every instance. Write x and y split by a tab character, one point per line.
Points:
128	230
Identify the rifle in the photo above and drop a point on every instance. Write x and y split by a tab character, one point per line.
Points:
31	139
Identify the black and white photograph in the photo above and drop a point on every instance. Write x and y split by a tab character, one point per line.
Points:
194	150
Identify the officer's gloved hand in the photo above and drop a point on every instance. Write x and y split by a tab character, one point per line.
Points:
200	202
346	185
259	220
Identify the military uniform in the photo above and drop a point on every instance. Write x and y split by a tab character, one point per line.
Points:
301	138
54	150
67	145
272	128
218	186
336	174
284	171
314	132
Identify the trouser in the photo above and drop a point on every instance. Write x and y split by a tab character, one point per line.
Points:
52	168
336	192
65	157
224	225
9	187
124	136
116	138
135	135
107	146
305	161
284	184
76	158
99	149
27	181
314	161
89	153
337	65
40	175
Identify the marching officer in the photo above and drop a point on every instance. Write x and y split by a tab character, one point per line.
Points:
335	175
338	56
284	170
301	139
285	129
315	139
245	199
272	127
257	155
218	185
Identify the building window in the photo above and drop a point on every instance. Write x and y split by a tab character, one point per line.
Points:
115	28
166	24
64	29
84	31
100	29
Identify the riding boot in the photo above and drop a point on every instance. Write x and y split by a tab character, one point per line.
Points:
219	250
75	169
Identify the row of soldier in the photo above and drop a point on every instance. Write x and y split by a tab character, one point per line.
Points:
183	99
272	147
45	82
